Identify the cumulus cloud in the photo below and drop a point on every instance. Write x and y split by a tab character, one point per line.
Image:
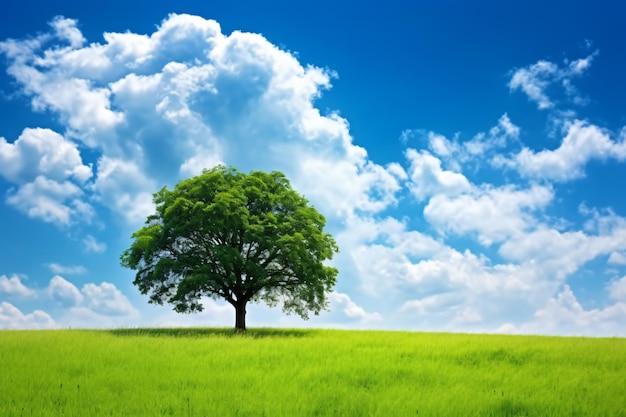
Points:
49	173
398	266
481	146
617	289
66	29
429	178
187	97
564	314
93	305
13	286
41	152
51	201
582	143
122	186
494	213
64	292
440	287
351	310
566	251
535	79
106	299
12	318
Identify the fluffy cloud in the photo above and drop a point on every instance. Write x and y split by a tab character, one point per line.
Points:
49	172
13	286
51	201
566	251
100	303
408	268
440	287
12	318
352	311
122	186
41	152
66	29
188	97
64	292
535	79
617	289
564	314
582	143
428	177
480	147
495	214
106	299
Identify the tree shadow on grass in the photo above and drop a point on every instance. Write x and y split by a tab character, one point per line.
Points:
212	332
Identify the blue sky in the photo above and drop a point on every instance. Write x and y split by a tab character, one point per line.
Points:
469	158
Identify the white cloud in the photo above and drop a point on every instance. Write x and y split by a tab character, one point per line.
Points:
455	152
342	187
535	79
86	109
49	172
379	252
431	305
406	267
428	178
51	201
86	318
64	292
95	305
41	152
13	286
582	143
106	299
564	314
91	244
440	287
66	269
12	318
495	214
66	29
563	252
350	309
122	186
617	289
617	258
188	97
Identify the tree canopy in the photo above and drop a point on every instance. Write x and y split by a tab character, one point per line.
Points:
239	237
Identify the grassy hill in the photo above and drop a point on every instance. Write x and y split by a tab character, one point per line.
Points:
296	373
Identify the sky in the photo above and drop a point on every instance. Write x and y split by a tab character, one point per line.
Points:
469	158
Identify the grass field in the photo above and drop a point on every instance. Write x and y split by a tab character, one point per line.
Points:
270	372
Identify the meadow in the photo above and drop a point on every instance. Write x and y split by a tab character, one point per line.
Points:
296	373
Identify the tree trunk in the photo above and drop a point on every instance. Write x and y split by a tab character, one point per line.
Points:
240	316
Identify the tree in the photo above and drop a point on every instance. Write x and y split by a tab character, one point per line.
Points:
241	238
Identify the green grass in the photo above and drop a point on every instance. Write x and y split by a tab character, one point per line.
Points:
271	372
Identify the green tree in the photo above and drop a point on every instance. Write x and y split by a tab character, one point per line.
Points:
233	236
